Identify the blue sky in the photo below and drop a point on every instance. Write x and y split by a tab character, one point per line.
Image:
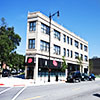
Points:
79	16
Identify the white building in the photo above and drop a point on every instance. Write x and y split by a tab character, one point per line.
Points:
63	43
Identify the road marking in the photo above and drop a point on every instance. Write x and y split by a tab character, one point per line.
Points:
6	90
75	89
18	93
33	98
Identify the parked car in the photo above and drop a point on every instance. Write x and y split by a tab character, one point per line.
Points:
5	73
85	77
92	77
74	77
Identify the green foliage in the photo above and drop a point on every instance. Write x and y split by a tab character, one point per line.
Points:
90	66
80	63
8	41
64	65
16	61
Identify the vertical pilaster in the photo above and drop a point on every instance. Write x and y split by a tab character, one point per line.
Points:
36	70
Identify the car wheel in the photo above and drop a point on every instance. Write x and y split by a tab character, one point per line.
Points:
79	80
74	80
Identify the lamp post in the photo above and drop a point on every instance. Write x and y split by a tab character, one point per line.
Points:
50	17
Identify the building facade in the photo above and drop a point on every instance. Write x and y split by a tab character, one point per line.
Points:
95	66
63	43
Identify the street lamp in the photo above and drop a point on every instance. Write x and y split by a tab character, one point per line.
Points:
50	17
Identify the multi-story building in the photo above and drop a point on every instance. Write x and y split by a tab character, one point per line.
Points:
63	43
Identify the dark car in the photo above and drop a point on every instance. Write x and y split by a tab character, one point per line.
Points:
74	77
92	77
5	73
85	77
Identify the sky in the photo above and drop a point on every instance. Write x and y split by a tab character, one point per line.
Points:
79	16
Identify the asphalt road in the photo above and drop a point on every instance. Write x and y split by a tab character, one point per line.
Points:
89	90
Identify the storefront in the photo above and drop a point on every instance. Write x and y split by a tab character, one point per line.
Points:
45	69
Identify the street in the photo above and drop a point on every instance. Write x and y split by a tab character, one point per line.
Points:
88	90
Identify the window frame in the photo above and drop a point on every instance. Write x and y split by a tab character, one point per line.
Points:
32	26
31	44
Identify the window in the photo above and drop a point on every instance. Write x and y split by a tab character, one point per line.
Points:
44	46
68	39
64	38
76	44
45	29
56	34
81	57
56	50
76	55
32	26
67	52
85	58
85	48
64	51
71	54
31	44
81	46
71	41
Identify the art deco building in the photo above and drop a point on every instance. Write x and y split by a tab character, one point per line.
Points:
63	43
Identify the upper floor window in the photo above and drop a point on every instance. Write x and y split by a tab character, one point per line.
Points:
76	55
68	39
56	50
67	52
64	50
71	54
71	41
31	44
32	26
85	58
81	56
44	28
85	48
64	37
81	46
44	46
76	44
56	34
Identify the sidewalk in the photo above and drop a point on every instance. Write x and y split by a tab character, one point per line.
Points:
16	82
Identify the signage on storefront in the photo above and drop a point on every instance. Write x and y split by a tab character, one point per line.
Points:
55	63
30	61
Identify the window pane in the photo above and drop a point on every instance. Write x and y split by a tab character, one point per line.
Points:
32	26
31	44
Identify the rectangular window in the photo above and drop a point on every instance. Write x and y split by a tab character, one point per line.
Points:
56	50
67	52
85	58
76	44
44	46
85	48
76	55
67	39
71	54
81	56
32	26
81	46
31	44
71	41
64	51
57	35
64	38
44	28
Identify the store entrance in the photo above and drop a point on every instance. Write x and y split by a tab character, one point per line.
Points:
30	73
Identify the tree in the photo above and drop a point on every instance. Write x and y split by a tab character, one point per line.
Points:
80	63
64	65
90	66
9	41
